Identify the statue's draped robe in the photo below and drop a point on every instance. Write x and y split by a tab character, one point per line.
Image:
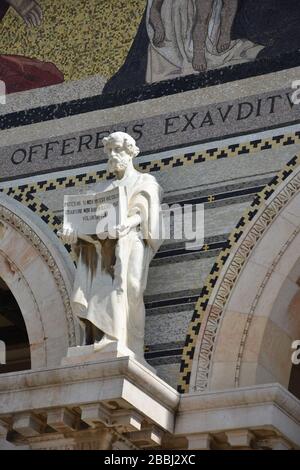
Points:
175	56
101	297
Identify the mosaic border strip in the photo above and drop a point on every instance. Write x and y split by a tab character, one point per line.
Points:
25	193
252	147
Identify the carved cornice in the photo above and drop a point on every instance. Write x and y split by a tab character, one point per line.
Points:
232	272
29	234
247	396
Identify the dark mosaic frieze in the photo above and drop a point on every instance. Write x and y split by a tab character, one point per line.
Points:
147	92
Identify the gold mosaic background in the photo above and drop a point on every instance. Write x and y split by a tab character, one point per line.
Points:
81	37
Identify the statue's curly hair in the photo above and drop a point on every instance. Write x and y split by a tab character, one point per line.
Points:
129	143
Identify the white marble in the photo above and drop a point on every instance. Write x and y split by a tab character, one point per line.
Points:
263	407
111	276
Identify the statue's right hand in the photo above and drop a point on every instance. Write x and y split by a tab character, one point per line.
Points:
68	236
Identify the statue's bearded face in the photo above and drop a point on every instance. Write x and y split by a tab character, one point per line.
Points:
118	156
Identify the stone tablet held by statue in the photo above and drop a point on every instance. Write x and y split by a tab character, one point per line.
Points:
96	214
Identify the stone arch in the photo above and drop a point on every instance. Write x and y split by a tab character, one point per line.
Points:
39	272
248	327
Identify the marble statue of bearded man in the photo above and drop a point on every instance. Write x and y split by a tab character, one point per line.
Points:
111	274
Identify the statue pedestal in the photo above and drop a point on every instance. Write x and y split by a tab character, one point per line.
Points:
101	352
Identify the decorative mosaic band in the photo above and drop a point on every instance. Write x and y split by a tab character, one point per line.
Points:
25	193
252	147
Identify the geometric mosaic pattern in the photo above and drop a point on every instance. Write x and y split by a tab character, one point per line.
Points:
25	193
167	163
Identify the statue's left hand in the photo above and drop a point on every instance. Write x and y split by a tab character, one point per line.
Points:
131	222
122	230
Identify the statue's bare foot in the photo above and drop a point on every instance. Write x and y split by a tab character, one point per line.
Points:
224	42
29	10
157	25
199	61
105	341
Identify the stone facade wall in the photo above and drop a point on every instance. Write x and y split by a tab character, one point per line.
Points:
217	138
